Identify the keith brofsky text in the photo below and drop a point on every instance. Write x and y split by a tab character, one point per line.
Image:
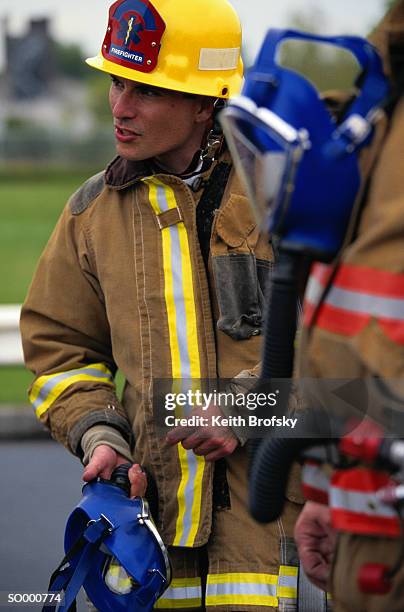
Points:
249	420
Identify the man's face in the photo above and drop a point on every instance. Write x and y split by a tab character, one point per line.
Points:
156	123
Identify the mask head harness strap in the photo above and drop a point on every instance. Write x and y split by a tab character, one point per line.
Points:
357	122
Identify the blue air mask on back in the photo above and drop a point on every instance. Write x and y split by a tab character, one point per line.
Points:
300	168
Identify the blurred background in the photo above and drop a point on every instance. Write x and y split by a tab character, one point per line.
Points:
56	131
55	125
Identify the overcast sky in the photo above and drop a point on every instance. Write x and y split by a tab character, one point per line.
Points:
84	21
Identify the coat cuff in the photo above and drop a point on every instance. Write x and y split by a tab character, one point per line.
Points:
100	417
104	434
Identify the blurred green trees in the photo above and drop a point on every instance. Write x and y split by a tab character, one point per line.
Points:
325	66
70	61
98	85
71	64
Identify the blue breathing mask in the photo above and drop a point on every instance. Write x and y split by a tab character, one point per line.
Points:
300	168
113	550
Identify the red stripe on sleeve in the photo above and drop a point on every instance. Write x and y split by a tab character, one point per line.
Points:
370	280
357	522
360	480
340	321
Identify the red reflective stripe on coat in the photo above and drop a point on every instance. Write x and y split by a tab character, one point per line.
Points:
370	280
316	495
355	506
356	295
315	483
321	272
341	321
356	522
362	279
361	479
393	331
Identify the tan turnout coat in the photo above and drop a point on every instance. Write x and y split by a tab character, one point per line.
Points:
122	284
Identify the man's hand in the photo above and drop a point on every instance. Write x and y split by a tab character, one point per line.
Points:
105	460
315	539
210	441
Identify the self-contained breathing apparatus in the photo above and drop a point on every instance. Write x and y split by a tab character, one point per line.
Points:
350	445
301	171
113	550
291	154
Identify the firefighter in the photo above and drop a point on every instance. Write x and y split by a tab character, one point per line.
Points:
338	197
356	337
156	268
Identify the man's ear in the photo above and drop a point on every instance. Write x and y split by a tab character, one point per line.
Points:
205	109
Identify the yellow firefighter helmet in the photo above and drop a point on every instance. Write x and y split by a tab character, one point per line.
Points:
193	46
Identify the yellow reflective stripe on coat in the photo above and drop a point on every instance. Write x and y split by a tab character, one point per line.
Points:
46	389
287	582
182	593
185	360
251	589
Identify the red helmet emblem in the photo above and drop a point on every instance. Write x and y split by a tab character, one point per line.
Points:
134	35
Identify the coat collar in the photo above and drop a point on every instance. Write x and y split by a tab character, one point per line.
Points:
122	173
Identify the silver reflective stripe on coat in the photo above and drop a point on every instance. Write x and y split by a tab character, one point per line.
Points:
184	348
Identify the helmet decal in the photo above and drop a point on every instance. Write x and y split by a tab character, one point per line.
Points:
134	33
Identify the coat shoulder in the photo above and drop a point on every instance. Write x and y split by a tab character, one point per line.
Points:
86	194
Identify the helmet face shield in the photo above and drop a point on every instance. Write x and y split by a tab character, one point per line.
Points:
266	152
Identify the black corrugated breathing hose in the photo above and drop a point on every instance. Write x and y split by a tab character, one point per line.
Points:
271	459
281	319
